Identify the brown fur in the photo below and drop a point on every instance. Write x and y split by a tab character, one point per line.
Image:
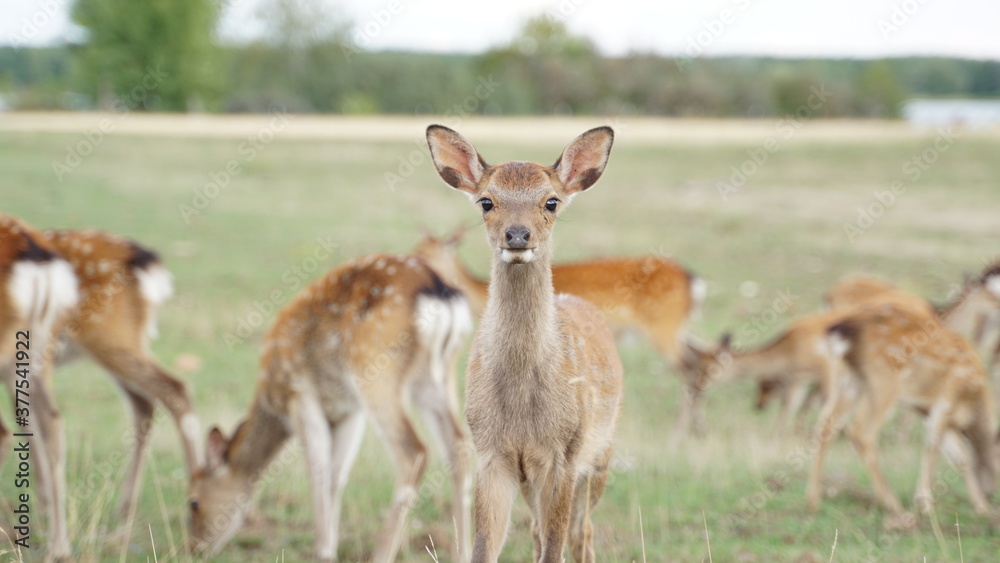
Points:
793	365
364	340
23	247
113	324
544	378
972	306
653	294
894	354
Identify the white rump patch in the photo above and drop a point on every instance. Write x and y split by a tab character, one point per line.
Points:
443	325
699	290
837	345
41	291
155	283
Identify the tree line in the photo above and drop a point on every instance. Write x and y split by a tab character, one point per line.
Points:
307	65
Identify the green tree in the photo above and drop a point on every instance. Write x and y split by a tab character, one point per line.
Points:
545	69
153	54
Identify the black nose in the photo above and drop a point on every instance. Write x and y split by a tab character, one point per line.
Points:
518	237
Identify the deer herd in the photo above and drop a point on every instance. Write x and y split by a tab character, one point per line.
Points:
378	338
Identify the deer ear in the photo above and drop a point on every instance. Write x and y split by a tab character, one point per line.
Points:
456	160
216	448
582	161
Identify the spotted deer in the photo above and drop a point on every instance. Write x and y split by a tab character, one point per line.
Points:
37	289
544	381
650	293
365	340
792	365
974	311
122	286
967	312
891	354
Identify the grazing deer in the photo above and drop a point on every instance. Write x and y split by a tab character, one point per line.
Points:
544	383
650	293
970	309
37	288
892	354
122	285
366	339
793	364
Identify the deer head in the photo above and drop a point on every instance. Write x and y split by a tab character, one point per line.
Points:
219	498
520	201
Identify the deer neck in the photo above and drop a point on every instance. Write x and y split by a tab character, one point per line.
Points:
257	440
759	363
520	316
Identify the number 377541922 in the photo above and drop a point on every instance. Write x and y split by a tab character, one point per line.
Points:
22	366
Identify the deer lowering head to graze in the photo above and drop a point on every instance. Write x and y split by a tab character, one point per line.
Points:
365	340
122	286
37	289
544	380
793	365
894	354
650	293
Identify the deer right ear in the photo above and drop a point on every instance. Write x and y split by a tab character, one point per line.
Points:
456	160
215	448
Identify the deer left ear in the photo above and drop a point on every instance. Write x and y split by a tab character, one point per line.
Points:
582	161
216	448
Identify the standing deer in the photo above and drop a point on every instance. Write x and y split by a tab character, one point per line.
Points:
794	365
650	293
366	339
37	288
544	383
893	354
122	285
788	368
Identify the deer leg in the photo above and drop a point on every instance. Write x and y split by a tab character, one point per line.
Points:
313	431
345	440
923	496
48	447
864	435
439	412
142	415
794	400
410	457
141	375
589	489
831	420
554	507
495	486
953	449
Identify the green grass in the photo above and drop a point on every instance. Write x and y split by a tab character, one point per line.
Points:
740	485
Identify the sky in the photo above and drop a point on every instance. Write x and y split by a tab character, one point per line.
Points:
792	28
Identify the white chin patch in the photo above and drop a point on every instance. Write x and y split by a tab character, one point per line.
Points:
517	256
993	285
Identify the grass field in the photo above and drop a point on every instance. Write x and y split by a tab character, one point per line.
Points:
367	185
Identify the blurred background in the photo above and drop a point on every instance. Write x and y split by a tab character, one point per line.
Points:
729	58
770	146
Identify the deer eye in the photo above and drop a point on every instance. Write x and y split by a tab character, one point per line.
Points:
194	506
551	204
487	204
